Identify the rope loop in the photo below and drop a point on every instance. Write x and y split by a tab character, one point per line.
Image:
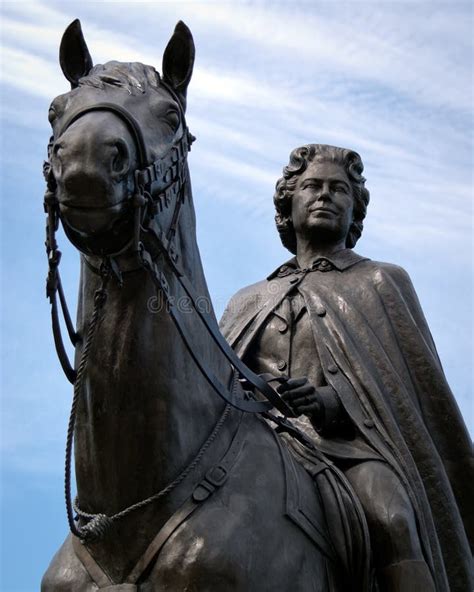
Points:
96	528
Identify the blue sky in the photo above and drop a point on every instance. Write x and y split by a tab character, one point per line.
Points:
392	80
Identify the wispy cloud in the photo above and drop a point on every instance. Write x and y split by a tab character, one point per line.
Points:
392	54
29	73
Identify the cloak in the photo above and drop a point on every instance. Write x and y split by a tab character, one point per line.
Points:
377	353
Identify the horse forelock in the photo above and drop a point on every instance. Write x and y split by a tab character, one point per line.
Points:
131	76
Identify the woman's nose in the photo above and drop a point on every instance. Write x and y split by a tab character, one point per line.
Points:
324	193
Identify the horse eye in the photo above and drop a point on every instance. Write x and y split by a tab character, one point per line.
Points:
51	115
56	148
172	117
56	108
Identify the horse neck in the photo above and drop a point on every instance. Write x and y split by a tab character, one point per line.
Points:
145	409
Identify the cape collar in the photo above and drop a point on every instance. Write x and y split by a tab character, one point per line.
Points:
341	260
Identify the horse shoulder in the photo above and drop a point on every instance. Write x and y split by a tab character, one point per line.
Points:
66	572
230	542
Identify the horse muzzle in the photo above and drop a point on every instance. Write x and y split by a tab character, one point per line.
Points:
98	222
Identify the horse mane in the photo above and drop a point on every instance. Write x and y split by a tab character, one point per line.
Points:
134	77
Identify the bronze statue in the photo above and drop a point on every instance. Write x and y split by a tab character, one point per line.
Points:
348	339
177	488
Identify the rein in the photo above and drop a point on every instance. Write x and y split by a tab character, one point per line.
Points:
166	177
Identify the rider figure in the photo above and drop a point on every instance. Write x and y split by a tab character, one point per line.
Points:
360	369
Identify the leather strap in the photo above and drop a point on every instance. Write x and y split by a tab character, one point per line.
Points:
234	395
96	571
273	398
124	115
53	287
58	341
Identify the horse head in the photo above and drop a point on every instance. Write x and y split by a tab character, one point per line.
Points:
119	145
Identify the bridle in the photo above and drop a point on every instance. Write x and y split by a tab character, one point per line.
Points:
165	178
167	172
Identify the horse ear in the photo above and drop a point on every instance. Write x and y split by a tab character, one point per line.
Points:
178	59
74	57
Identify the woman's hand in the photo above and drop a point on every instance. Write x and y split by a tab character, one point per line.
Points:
300	395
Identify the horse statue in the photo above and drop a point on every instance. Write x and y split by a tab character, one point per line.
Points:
177	488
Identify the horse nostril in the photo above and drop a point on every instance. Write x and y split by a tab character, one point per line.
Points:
120	158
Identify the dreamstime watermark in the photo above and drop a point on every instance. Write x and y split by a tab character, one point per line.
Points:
269	296
159	303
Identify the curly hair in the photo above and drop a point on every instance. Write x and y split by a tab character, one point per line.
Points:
286	185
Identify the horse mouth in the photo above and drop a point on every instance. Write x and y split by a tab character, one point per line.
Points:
72	205
93	219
